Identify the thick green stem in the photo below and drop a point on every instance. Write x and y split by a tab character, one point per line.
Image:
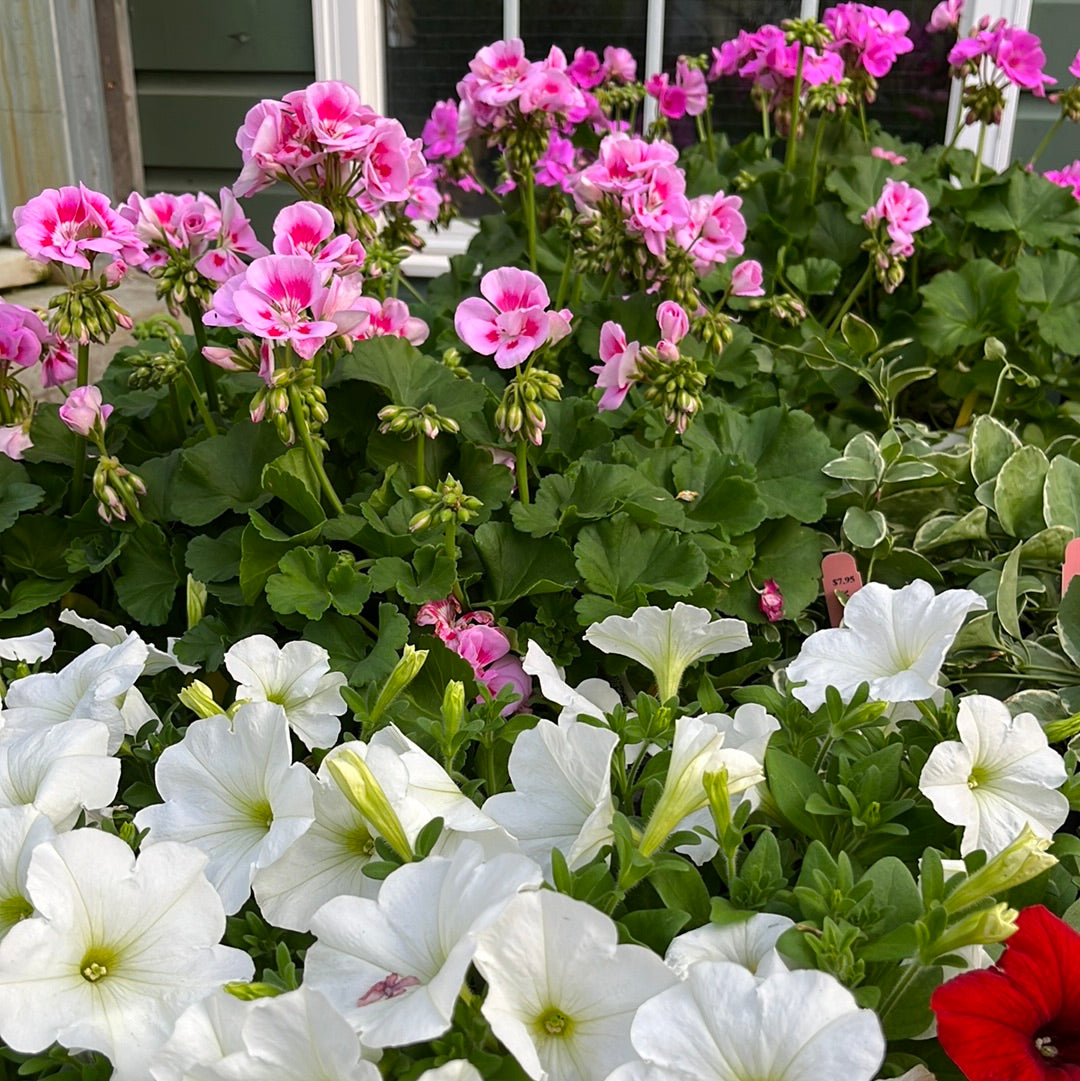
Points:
854	295
609	281
177	415
564	278
421	450
521	461
765	122
205	367
1049	138
796	106
528	206
979	153
197	397
450	548
314	456
862	122
78	479
819	134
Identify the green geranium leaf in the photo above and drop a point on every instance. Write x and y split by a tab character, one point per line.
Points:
311	580
292	480
1061	495
620	560
30	594
516	566
727	492
215	559
262	546
1037	211
53	440
224	473
814	276
149	577
1018	492
411	379
16	492
991	445
1051	281
429	577
967	306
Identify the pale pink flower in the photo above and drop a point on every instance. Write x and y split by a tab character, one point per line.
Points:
275	299
511	323
481	645
946	16
391	160
14	439
549	90
500	71
618	373
714	231
83	411
308	229
390	319
332	113
58	362
235	238
746	279
619	64
22	336
904	210
888	155
673	321
72	226
659	209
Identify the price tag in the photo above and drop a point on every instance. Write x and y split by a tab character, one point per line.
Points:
1071	567
839	575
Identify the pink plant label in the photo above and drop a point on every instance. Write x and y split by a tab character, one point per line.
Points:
1071	567
840	578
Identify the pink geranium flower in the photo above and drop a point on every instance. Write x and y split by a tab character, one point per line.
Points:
275	299
746	279
1068	177
390	319
555	167
904	210
674	326
73	226
888	155
308	229
946	16
618	373
511	323
1020	56
83	411
441	134
714	230
22	336
14	439
585	69
1074	67
619	64
870	37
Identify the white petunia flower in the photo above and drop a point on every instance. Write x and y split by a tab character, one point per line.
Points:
230	791
294	1035
591	698
116	949
91	688
750	943
724	1024
61	770
21	830
157	660
562	792
748	730
30	648
394	967
893	639
562	992
458	1070
668	641
297	677
1000	776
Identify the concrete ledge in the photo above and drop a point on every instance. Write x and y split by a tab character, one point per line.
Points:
17	269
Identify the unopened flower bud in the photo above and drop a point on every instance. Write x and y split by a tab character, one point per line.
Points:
361	788
404	672
994	924
1021	861
198	697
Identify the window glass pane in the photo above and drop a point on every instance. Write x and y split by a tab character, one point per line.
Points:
592	24
914	97
429	44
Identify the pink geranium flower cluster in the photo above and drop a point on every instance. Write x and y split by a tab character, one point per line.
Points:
72	226
688	95
946	16
1015	56
904	211
1067	177
513	321
474	637
323	139
871	38
25	341
765	59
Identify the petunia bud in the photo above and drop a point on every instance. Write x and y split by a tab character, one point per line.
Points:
404	672
198	697
1021	861
994	924
361	788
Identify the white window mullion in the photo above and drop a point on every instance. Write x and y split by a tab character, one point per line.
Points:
808	9
997	146
350	44
511	19
654	53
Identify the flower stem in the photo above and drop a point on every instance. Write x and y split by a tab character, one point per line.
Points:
528	205
796	105
197	397
862	122
82	379
979	153
564	278
314	456
819	134
177	416
854	295
205	367
521	462
1049	138
421	472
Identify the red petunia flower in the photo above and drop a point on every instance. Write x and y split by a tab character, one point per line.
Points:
1020	1020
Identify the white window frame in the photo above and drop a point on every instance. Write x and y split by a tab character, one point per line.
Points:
350	44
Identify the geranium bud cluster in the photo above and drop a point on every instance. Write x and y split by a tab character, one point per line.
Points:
445	504
116	489
520	413
86	313
412	422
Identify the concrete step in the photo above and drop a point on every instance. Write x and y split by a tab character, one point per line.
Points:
17	269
